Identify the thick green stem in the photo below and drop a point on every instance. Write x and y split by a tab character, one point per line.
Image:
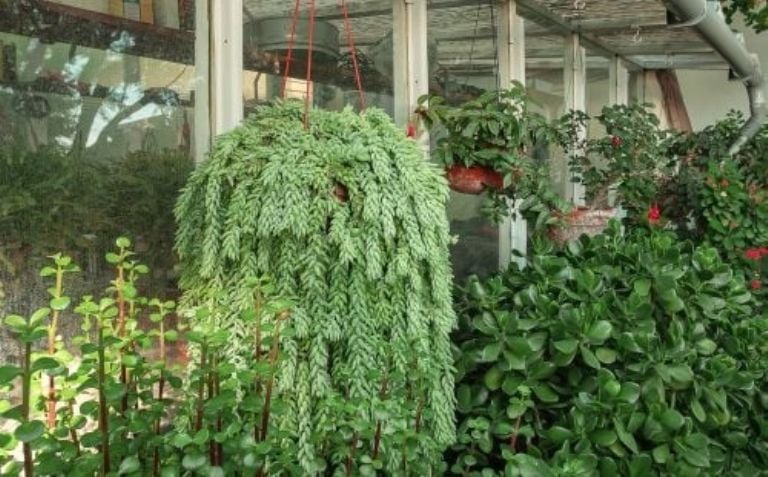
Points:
52	330
103	422
160	389
26	391
201	387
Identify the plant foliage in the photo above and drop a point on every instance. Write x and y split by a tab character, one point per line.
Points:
349	218
497	130
634	356
101	404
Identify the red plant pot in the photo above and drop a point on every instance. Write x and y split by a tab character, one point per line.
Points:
474	179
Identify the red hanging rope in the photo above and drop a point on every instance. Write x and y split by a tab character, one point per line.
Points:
311	44
353	51
291	42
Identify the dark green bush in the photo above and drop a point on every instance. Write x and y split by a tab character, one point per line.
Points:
630	356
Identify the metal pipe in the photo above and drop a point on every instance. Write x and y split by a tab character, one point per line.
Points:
706	17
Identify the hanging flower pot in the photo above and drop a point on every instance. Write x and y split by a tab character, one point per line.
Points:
582	221
474	179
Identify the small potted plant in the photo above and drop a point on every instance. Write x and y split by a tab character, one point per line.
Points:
483	144
625	166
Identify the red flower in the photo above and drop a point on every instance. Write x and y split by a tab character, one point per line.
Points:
616	141
411	131
753	254
654	214
755	284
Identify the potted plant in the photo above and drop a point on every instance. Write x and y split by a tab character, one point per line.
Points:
625	166
483	145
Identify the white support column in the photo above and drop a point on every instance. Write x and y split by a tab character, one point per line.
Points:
202	113
226	64
513	231
411	65
575	86
618	82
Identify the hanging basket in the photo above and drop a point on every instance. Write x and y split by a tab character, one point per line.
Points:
473	180
582	221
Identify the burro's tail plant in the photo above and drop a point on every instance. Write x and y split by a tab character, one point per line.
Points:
349	218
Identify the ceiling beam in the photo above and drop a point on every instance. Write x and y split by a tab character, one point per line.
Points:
536	12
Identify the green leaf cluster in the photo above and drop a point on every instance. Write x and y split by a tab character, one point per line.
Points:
628	155
349	219
619	355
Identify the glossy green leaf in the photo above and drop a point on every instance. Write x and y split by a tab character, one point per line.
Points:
599	332
29	431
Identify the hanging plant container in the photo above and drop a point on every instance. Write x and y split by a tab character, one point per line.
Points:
474	180
582	221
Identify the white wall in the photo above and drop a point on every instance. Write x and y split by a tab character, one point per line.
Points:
709	95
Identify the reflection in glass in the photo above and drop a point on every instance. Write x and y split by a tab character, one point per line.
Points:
95	126
463	65
269	44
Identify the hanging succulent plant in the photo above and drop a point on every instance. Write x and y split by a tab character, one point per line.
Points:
348	218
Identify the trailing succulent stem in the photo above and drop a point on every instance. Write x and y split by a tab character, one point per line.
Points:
368	268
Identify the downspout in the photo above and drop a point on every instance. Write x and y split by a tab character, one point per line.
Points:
706	17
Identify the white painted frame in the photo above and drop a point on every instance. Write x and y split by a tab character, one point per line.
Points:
226	64
575	86
513	230
411	64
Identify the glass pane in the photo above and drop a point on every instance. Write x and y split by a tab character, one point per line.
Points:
268	44
96	116
462	57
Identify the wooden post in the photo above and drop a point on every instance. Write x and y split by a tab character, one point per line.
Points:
226	65
575	86
411	65
513	230
618	82
202	93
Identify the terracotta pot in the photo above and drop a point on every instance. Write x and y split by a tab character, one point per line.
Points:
473	180
582	221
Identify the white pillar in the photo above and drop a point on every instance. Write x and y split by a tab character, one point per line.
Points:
575	86
411	65
226	64
513	230
618	82
202	112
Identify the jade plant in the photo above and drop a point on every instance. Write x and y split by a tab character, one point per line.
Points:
485	145
120	407
628	355
346	216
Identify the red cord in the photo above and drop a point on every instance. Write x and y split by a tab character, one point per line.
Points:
353	51
291	41
311	44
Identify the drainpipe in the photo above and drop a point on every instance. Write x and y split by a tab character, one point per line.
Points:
706	17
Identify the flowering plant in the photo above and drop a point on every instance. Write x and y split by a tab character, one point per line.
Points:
630	158
495	131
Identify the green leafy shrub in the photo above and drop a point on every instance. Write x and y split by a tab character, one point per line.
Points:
630	158
349	218
718	199
497	130
110	402
631	356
